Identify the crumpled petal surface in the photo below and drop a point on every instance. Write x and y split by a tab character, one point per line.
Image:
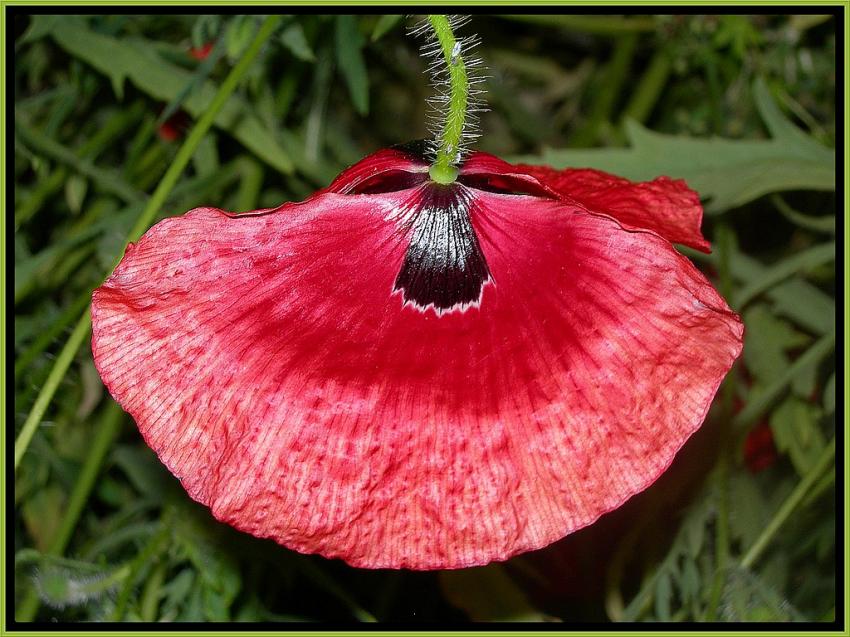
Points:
269	362
663	205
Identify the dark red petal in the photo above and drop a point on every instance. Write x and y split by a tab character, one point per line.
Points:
168	132
406	166
270	363
759	448
173	128
665	206
385	162
201	52
483	169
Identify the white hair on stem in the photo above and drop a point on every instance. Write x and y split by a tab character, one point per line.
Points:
438	72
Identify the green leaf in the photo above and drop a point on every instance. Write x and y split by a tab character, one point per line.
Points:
40	26
215	605
825	223
781	128
693	532
768	340
135	59
829	395
797	300
250	184
31	271
349	56
488	594
785	268
143	469
42	515
738	33
206	160
747	598
663	597
76	187
384	25
205	29
749	512
690	579
729	173
107	180
239	33
795	429
804	304
220	579
295	41
192	610
176	592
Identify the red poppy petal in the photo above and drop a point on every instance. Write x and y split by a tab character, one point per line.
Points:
269	362
487	169
663	205
201	52
380	163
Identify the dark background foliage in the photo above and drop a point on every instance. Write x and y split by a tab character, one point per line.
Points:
742	526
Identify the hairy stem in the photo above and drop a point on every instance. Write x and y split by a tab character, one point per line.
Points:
443	169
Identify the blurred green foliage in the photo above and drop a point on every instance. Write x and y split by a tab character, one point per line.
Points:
741	528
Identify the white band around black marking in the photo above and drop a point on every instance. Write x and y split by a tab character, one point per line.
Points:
443	266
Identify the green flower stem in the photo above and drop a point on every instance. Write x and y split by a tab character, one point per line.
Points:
169	180
443	170
789	506
615	75
649	88
57	373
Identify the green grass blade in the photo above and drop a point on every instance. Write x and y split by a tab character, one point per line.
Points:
789	506
57	373
349	43
136	59
46	338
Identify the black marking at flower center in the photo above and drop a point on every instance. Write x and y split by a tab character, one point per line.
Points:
443	265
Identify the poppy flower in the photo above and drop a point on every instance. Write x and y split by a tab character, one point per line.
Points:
202	52
173	128
759	448
402	373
